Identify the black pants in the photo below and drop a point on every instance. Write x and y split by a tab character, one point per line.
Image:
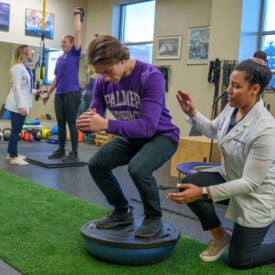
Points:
246	246
143	156
66	106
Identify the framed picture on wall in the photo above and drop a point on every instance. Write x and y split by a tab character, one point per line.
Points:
169	47
4	17
198	45
33	23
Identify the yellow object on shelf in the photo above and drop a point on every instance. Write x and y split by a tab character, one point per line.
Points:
102	137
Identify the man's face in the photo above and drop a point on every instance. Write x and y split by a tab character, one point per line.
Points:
111	73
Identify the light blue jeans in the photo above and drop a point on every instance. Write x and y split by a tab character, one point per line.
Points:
143	157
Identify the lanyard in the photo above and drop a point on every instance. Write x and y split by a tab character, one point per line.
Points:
31	77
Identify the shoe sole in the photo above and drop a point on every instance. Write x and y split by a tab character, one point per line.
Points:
20	156
20	164
148	235
114	225
215	257
70	160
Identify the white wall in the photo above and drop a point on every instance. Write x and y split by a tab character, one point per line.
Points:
173	17
63	20
5	54
176	17
98	19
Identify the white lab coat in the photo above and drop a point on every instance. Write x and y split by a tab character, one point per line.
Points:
247	164
19	95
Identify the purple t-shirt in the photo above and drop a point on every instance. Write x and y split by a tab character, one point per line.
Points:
66	71
137	102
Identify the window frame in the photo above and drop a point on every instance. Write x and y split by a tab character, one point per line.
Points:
121	34
262	32
48	52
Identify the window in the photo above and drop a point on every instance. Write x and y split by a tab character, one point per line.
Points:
137	29
267	34
51	58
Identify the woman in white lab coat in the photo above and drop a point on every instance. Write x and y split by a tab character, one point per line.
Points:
245	132
19	100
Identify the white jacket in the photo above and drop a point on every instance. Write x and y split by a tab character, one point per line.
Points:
248	164
19	95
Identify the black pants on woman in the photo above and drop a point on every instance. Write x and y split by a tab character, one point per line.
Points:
66	106
246	247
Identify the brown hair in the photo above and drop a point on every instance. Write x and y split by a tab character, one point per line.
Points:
261	54
70	37
106	50
19	54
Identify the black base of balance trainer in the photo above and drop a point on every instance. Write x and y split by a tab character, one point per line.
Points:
119	245
53	163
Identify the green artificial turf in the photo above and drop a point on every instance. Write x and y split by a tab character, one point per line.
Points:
40	234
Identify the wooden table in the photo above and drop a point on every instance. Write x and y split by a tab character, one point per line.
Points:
194	148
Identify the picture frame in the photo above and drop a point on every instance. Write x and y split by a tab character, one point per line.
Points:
169	47
4	17
33	23
198	45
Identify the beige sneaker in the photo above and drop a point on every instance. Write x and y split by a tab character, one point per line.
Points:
20	156
215	249
18	161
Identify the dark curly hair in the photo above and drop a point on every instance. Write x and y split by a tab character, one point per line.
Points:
261	54
256	72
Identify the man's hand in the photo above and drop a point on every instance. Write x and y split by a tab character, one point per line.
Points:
91	122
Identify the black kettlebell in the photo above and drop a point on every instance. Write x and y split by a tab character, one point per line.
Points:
38	135
81	13
1	135
6	133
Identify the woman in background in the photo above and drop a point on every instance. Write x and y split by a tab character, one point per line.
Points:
68	93
87	93
19	100
262	55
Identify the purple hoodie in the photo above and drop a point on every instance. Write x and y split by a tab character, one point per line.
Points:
137	102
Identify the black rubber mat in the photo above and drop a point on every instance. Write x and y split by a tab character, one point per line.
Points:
52	164
37	152
42	160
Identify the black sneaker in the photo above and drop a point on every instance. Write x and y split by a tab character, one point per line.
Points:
71	157
116	218
150	227
57	154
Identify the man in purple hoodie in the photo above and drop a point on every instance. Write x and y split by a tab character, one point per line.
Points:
134	92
